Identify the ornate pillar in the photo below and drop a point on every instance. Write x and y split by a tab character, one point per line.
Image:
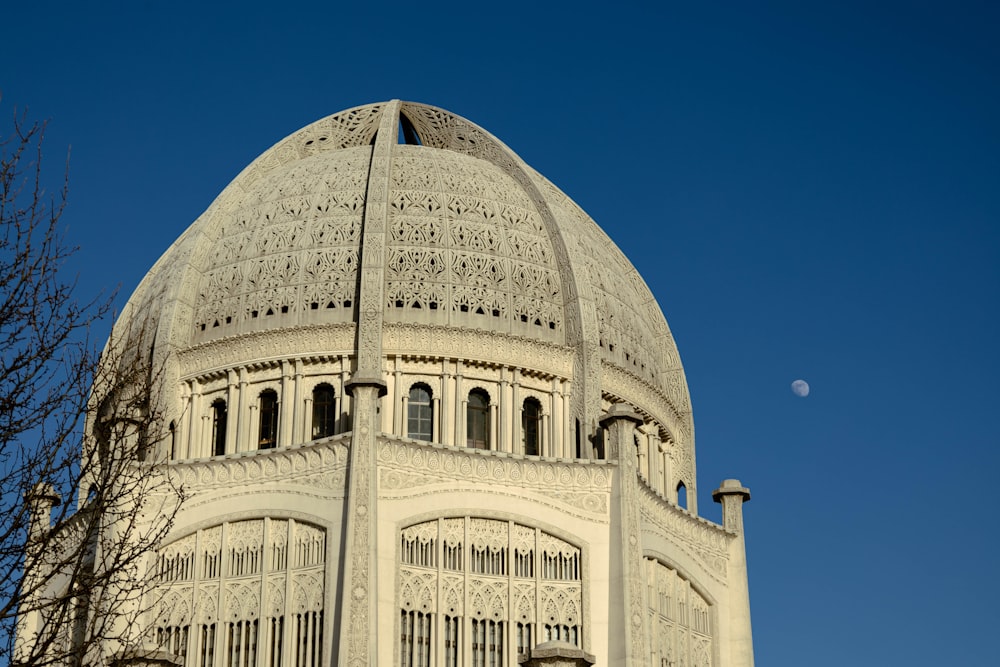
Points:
516	408
194	422
40	500
732	494
241	425
436	419
298	418
504	442
232	399
628	608
358	617
359	604
447	401
286	406
395	399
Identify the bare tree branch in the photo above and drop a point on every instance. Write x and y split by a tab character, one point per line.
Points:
70	571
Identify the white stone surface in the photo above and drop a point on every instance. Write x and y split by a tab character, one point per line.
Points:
345	261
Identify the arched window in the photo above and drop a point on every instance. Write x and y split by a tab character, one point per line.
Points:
268	419
477	420
324	411
443	560
682	495
218	427
420	413
287	559
531	426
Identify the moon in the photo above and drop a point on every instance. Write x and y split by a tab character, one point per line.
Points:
800	388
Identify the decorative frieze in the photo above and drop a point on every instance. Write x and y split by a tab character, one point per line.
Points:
703	540
322	465
404	465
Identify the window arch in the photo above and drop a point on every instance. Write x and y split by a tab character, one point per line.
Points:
682	495
219	419
680	618
530	568
268	437
477	420
420	413
282	558
324	416
531	427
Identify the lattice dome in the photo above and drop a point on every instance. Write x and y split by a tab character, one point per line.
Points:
455	233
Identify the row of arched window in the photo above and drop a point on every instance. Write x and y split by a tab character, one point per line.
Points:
420	419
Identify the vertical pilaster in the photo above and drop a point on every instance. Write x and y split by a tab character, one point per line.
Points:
358	620
358	616
240	424
732	494
194	442
286	406
298	418
504	442
628	607
232	399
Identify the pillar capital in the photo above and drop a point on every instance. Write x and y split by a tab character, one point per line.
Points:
366	381
732	494
618	412
557	653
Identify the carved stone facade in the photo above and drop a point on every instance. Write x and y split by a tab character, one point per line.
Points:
424	412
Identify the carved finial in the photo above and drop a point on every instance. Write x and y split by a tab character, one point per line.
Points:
732	494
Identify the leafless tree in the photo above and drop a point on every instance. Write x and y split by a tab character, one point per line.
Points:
83	497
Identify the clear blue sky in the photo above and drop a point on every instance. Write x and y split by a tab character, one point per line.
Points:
811	190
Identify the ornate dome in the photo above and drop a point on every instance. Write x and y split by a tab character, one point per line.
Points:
401	229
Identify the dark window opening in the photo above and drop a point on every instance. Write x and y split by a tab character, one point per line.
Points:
324	415
531	426
408	133
420	413
477	420
218	427
682	496
268	420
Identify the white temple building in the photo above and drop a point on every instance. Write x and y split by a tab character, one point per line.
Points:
424	413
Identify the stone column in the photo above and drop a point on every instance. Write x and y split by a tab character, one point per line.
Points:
194	441
436	419
232	399
732	494
298	419
398	414
286	407
240	423
628	608
40	501
505	443
404	423
447	401
359	604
